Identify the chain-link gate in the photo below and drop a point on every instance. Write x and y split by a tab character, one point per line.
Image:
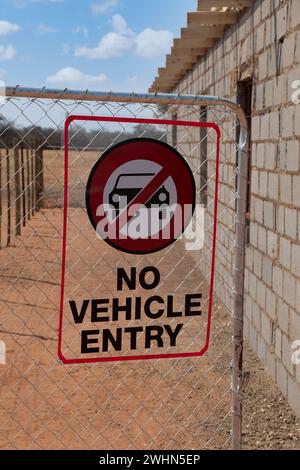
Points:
186	403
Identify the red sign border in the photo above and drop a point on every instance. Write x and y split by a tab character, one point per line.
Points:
207	125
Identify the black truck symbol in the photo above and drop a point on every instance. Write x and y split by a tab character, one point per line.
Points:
128	186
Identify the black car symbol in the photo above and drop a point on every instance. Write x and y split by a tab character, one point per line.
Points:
128	186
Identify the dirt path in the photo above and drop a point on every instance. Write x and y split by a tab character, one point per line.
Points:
146	405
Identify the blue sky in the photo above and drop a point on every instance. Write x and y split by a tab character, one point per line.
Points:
98	44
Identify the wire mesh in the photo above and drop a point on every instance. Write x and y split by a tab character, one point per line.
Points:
177	404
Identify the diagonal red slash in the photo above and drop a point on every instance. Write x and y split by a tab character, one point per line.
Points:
140	200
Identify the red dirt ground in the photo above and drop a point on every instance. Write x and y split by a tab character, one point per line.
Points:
145	405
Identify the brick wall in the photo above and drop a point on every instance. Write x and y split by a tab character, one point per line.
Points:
272	279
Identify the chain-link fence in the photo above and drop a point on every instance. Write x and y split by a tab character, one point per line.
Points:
181	403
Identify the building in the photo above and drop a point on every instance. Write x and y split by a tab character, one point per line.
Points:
250	52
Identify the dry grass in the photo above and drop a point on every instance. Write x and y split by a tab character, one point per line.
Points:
80	163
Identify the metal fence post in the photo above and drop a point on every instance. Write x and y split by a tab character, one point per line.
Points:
39	177
32	178
23	185
8	153
17	189
28	183
238	379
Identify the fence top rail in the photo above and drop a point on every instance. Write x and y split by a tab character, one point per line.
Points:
151	98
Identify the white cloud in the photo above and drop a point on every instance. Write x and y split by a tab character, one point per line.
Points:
8	28
120	26
42	28
151	43
69	76
104	7
7	52
122	40
113	44
81	30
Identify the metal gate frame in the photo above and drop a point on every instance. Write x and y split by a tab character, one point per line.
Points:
238	379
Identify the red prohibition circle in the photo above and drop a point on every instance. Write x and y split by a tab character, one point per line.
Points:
172	165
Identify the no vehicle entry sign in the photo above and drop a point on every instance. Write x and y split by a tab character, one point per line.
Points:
140	196
132	286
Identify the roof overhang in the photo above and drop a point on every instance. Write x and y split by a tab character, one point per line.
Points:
204	28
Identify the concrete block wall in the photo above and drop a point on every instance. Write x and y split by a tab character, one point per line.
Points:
265	46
